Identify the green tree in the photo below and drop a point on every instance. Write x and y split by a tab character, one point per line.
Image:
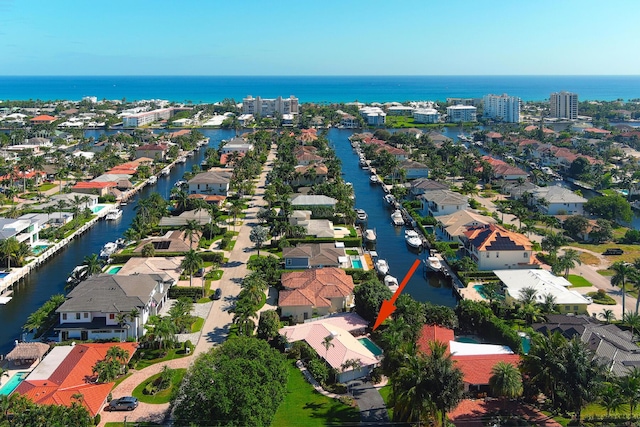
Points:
258	236
368	298
8	248
148	250
576	226
192	228
623	273
610	397
568	260
612	208
221	385
505	381
191	263
269	325
94	264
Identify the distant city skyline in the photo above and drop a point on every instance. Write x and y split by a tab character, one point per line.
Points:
360	38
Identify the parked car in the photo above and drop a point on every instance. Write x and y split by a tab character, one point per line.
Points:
613	251
217	294
200	272
127	403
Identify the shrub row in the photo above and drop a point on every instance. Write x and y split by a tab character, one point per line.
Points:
215	257
176	292
349	242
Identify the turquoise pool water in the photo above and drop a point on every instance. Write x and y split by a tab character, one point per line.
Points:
468	340
13	383
356	263
526	344
97	208
3	274
37	250
114	269
480	290
371	346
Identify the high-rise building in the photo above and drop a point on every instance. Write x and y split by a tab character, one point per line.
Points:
268	107
502	108
461	113
564	105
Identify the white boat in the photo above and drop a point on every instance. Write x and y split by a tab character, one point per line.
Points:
181	159
369	235
413	238
108	249
152	179
190	154
373	179
390	199
396	218
121	242
391	282
361	215
434	263
78	274
114	215
180	183
165	172
382	267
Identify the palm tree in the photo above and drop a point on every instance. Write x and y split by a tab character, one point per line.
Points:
134	314
191	263
635	280
610	397
445	380
8	248
191	228
235	209
569	260
543	363
607	315
327	343
94	264
623	272
629	387
632	320
258	235
505	381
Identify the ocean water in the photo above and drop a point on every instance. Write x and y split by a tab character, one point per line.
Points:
198	89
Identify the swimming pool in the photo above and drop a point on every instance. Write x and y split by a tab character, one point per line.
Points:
356	263
371	346
3	274
468	340
37	250
480	290
97	208
114	269
13	383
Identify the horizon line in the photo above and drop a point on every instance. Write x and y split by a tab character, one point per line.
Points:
319	75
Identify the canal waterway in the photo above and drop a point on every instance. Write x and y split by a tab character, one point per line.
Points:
50	278
390	239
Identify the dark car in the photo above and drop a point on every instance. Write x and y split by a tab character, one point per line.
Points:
613	251
127	403
217	294
200	272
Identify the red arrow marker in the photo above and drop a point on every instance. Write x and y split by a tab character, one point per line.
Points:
389	306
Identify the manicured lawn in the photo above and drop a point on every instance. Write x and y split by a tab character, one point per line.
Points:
47	186
305	407
589	259
197	325
579	281
151	357
162	396
603	299
631	252
385	392
606	273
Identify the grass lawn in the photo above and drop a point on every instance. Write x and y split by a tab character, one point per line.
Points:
151	357
139	424
305	407
215	275
162	396
579	281
384	392
47	186
606	273
589	259
631	252
197	325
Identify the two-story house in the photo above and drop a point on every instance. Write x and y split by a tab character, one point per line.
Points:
211	182
153	151
556	200
103	307
314	255
493	247
24	230
442	202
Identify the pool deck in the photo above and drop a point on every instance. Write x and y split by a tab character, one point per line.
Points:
471	293
11	370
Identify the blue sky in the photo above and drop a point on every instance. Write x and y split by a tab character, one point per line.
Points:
328	37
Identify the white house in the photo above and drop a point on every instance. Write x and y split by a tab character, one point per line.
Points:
426	115
558	201
374	116
461	113
442	202
493	247
545	283
24	230
211	182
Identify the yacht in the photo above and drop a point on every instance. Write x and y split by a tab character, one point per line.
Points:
433	263
180	183
165	172
396	218
121	242
361	215
390	199
108	249
382	267
181	159
152	179
413	239
391	282
373	179
114	215
369	235
78	274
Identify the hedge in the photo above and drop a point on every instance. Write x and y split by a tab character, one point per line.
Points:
360	275
176	292
215	257
349	242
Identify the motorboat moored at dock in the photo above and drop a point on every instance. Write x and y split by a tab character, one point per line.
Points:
370	235
108	249
413	239
114	215
396	218
382	267
433	263
361	216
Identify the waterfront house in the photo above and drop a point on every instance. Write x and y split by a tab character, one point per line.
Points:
153	151
212	199
24	230
476	361
315	291
309	175
502	170
170	266
556	200
438	139
98	188
72	199
302	201
342	328
423	185
67	371
201	216
493	247
236	145
515	189
347	121
312	227
42	119
314	255
92	309
452	227
414	169
442	202
172	241
544	283
492	137
613	346
215	182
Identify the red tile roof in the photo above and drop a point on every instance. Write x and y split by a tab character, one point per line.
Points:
94	184
314	287
153	147
74	375
43	118
434	333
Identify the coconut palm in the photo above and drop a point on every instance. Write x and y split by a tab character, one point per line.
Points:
629	387
623	272
505	381
632	321
607	315
8	248
568	260
327	342
94	264
258	236
191	263
191	228
611	398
